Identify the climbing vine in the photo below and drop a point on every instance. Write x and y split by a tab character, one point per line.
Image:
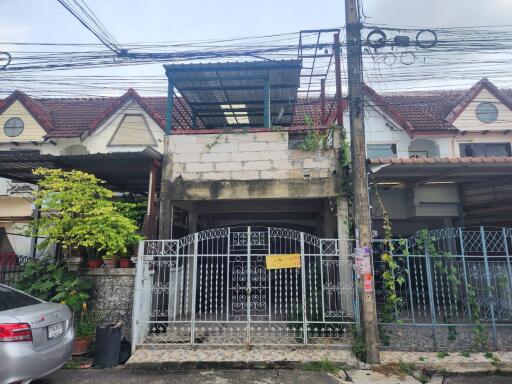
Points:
392	274
449	268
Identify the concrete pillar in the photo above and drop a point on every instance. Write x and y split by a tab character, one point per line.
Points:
165	222
345	250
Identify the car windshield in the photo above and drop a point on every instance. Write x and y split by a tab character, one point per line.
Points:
11	299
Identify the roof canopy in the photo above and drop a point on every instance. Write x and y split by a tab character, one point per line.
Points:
123	171
234	94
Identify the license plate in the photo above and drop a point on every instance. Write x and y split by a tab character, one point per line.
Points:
55	330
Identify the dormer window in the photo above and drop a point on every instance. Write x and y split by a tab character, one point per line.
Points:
487	112
13	127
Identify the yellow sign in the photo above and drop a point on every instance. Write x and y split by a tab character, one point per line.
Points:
290	260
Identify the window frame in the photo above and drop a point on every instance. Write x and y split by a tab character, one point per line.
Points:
462	150
393	147
15	118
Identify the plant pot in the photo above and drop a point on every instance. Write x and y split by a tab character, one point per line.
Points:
125	263
81	345
74	263
110	263
94	263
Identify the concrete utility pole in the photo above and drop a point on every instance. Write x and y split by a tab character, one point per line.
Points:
359	174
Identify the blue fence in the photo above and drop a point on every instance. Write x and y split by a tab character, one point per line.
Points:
453	290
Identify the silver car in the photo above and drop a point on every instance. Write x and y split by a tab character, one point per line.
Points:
36	337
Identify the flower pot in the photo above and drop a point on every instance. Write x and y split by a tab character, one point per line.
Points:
81	345
110	263
94	263
74	263
125	263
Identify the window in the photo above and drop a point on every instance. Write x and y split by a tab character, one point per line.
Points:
380	150
487	112
484	149
12	299
13	127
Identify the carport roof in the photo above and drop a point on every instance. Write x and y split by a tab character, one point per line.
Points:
215	91
122	171
440	170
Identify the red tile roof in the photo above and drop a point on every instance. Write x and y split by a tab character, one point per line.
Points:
441	160
416	112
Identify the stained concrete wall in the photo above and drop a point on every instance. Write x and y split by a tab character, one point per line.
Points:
245	156
112	295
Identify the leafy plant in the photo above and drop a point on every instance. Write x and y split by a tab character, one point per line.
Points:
325	365
358	344
442	354
465	354
86	325
77	212
50	280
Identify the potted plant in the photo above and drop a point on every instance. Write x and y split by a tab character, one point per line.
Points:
110	261
125	262
94	262
84	331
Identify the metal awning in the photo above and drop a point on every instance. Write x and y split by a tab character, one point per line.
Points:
123	171
441	170
234	94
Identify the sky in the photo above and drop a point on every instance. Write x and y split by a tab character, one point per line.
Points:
170	20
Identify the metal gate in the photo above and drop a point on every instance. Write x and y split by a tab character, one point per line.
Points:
213	287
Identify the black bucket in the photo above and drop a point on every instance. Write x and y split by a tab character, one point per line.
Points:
108	344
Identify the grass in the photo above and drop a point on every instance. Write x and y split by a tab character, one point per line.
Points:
465	354
400	369
325	365
71	364
442	354
422	358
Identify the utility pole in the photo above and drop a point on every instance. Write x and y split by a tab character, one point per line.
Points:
360	178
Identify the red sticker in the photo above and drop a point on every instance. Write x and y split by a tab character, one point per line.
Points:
368	282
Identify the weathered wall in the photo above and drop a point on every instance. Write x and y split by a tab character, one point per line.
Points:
245	156
112	296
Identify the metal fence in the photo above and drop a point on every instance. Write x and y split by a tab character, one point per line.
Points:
453	287
213	287
11	268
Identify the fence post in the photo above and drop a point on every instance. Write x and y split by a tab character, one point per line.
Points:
430	291
488	279
248	289
304	303
463	257
505	242
136	294
194	282
411	300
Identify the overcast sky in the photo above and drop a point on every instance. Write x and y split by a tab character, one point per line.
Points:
171	20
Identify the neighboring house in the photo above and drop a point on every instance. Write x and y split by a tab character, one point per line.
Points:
119	139
441	158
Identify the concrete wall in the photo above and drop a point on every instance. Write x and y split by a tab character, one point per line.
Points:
112	295
382	130
245	156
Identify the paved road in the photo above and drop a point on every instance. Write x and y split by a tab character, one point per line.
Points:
231	376
131	376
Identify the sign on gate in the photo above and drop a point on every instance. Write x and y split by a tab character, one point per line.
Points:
291	260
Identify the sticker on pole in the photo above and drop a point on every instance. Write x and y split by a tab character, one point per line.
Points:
291	260
362	261
368	282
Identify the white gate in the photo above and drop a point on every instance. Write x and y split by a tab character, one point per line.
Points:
213	287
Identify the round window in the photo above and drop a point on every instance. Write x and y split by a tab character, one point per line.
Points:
487	112
13	127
